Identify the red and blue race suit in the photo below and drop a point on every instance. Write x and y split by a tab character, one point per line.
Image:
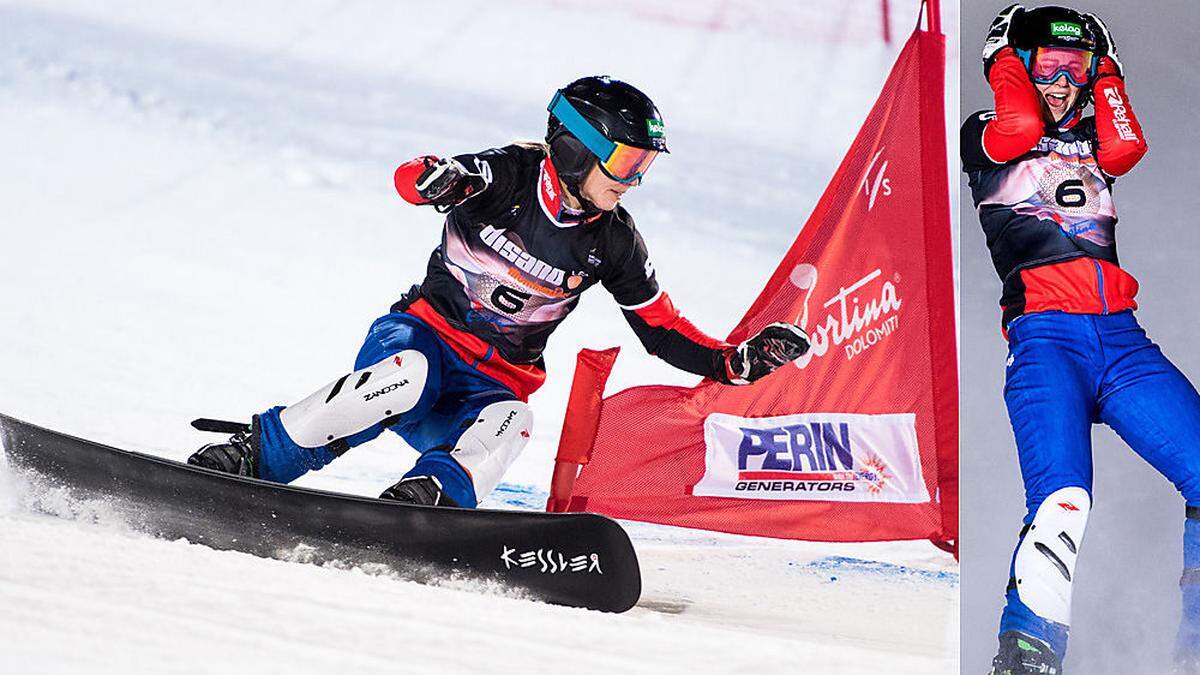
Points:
511	266
1077	355
1044	195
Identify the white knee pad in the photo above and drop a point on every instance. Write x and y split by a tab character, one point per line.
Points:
357	400
489	446
1045	562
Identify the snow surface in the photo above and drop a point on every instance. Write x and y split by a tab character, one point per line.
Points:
198	219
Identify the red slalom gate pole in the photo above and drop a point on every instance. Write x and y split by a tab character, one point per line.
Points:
935	15
580	423
933	152
885	14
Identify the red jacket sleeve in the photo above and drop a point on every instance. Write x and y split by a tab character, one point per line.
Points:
668	335
1018	124
662	314
1120	143
407	175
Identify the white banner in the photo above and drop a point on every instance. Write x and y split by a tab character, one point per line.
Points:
843	457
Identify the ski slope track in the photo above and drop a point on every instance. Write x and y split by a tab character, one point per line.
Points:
198	220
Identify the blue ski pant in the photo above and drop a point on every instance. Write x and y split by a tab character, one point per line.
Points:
453	395
1068	371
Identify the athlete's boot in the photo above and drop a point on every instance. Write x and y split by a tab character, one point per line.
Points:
239	455
423	490
1021	654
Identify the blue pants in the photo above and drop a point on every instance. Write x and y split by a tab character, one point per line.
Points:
454	394
1068	371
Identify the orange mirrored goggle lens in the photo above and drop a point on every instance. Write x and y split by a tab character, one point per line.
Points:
627	164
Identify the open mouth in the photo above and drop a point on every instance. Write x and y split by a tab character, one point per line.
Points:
1056	100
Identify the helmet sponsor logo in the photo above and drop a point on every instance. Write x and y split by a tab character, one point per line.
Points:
1066	28
813	456
655	128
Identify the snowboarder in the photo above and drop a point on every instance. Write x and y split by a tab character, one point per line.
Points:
529	228
1041	175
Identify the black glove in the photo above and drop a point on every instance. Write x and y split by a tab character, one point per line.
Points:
776	345
446	183
1106	47
998	34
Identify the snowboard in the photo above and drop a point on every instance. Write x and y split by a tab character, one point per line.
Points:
575	559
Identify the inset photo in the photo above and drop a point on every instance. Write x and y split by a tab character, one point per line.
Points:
1080	421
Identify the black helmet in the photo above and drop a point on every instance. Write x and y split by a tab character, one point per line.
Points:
1054	26
1060	27
591	116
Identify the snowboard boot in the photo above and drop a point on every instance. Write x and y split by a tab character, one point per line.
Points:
239	455
423	490
1021	654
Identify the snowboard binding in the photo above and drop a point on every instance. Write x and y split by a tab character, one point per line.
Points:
239	455
423	490
1021	654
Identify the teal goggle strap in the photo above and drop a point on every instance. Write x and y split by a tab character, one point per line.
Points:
580	128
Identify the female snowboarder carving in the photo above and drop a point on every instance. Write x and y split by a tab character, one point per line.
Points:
529	228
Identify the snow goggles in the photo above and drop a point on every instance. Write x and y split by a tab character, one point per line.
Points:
1047	64
621	162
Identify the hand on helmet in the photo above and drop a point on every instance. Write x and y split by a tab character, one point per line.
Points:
998	34
774	346
446	183
1106	49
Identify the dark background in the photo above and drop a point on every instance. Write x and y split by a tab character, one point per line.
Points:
1126	603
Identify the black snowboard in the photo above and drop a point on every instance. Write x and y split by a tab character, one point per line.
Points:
577	559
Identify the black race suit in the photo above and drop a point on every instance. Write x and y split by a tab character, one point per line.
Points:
513	263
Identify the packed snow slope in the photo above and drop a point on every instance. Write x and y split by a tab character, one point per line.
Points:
198	219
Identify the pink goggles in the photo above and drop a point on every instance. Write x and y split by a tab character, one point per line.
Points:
1047	64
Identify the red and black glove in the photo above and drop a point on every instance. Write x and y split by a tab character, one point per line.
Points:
772	348
1106	49
997	37
1017	125
444	183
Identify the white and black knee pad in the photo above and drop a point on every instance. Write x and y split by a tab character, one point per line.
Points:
358	400
488	447
1045	562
